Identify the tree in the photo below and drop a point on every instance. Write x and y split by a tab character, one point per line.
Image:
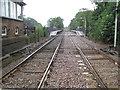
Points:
30	22
104	18
82	17
56	22
100	22
40	31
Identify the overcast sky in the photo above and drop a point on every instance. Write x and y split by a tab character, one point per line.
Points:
42	10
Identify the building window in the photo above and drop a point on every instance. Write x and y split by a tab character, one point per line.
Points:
16	30
4	31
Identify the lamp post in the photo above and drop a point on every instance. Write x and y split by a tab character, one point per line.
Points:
115	35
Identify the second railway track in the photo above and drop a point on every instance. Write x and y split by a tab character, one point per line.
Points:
104	68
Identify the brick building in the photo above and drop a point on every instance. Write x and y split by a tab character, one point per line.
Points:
11	17
11	25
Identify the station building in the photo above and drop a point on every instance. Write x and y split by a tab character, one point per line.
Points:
12	18
11	25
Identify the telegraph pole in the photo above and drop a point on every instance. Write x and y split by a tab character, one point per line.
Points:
85	19
85	26
115	35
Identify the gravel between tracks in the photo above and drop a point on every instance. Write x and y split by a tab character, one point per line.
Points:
68	70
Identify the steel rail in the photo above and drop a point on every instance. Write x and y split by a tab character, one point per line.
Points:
103	53
48	67
94	72
29	56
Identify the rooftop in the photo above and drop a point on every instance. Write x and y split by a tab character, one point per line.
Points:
20	2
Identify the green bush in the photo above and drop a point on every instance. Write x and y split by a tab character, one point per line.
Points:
27	39
39	32
103	22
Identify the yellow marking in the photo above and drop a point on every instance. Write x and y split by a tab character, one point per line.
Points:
90	86
100	61
109	73
110	80
89	79
112	86
92	56
9	74
106	68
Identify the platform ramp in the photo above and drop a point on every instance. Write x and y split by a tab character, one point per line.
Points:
79	33
54	33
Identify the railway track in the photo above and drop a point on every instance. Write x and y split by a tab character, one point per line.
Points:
78	65
32	71
9	61
101	66
69	70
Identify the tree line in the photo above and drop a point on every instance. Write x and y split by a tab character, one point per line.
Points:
56	22
38	33
41	31
100	22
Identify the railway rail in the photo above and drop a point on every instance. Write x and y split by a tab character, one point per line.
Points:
104	68
92	69
13	58
67	74
69	70
65	61
115	61
32	70
4	75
